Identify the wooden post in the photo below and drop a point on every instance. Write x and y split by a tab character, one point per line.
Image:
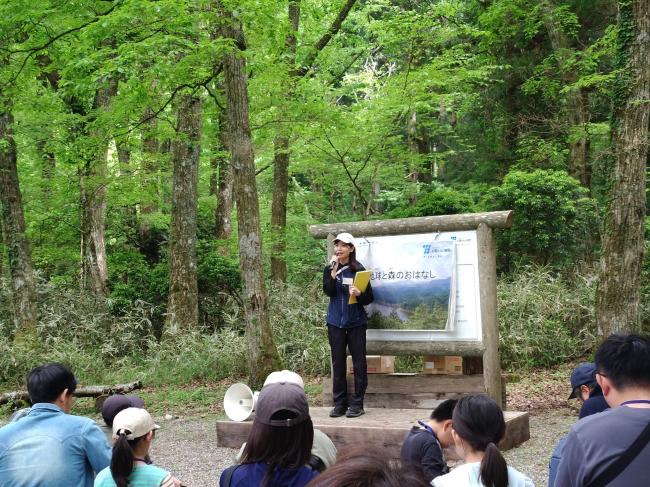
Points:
488	294
330	252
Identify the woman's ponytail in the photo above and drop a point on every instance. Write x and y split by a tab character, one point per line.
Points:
122	461
494	470
478	420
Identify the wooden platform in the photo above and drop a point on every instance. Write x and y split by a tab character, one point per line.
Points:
381	427
412	391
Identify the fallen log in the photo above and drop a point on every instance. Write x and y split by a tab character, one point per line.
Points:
87	391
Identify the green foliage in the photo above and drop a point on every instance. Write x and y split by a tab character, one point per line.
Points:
102	347
437	200
553	217
298	322
545	318
412	109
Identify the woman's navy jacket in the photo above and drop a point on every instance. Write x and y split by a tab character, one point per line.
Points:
339	312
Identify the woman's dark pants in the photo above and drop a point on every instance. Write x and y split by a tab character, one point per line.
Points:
355	340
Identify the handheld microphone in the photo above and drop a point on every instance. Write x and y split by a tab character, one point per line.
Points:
334	262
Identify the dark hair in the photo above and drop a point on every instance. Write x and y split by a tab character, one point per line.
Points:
355	265
444	410
361	467
122	459
46	382
593	388
478	420
279	446
625	360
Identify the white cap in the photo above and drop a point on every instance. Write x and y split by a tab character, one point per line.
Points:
134	422
345	237
284	376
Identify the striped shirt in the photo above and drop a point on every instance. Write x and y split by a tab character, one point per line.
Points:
141	476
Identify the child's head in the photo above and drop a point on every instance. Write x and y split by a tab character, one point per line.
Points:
440	421
478	425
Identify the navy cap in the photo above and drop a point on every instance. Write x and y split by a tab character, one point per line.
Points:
584	373
114	404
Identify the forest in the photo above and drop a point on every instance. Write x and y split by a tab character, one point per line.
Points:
161	160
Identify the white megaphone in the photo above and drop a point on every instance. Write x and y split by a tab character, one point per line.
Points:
239	402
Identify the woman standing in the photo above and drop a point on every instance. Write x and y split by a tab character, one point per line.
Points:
133	432
477	426
346	326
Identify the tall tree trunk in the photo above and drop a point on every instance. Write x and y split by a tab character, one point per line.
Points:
48	168
150	241
183	304
223	211
20	262
279	208
281	160
618	293
576	110
282	140
262	352
123	156
93	187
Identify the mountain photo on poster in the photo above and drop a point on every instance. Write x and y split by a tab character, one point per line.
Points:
413	281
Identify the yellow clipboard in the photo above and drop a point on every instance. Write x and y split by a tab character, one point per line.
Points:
361	280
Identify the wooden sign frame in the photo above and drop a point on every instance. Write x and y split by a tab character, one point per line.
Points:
484	224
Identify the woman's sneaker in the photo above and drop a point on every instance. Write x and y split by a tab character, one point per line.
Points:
354	412
338	411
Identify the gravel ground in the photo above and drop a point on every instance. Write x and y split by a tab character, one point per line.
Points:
187	448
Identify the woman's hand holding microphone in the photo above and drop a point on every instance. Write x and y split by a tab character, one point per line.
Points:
334	265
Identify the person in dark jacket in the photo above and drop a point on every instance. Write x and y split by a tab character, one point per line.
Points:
346	326
422	448
584	388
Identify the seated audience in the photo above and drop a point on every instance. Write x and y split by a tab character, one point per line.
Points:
364	467
422	448
48	446
323	451
113	405
279	443
478	426
584	388
133	432
613	448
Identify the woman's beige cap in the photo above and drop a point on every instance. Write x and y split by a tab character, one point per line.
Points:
345	237
134	422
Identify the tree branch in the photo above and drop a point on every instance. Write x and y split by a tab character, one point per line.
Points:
165	105
325	39
36	49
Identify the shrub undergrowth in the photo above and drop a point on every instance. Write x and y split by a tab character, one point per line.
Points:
545	318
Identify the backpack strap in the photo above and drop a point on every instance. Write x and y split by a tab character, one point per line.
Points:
616	468
228	475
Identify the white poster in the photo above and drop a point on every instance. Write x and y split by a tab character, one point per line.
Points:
413	277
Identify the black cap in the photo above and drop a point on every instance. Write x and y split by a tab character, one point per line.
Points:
282	396
114	404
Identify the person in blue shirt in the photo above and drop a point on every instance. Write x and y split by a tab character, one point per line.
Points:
48	446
